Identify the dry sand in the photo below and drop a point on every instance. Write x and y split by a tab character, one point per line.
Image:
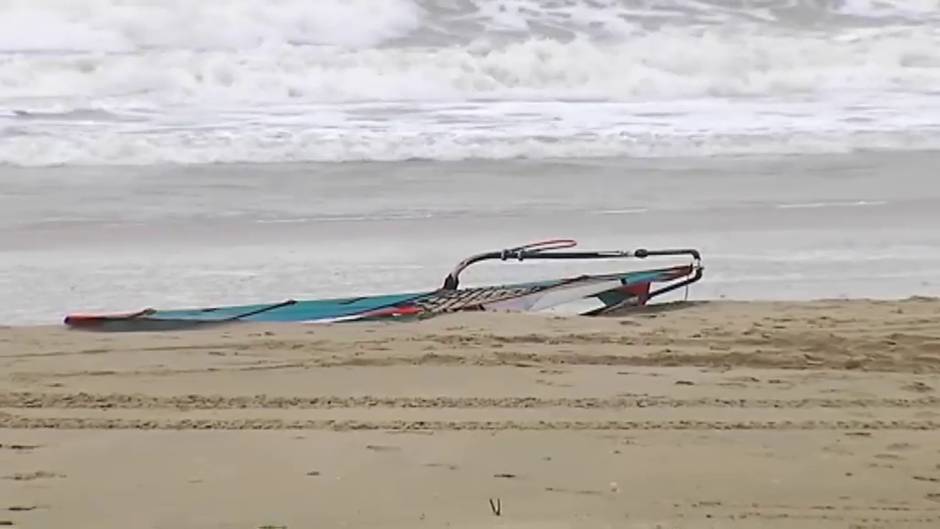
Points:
822	414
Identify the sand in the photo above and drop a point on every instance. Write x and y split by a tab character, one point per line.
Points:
717	414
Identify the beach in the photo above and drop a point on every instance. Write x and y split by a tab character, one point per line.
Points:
701	414
173	154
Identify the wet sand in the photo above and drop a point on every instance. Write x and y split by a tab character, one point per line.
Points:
713	414
785	228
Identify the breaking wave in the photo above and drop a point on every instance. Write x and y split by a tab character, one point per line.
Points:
105	81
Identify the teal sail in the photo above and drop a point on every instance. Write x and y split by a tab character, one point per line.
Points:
605	291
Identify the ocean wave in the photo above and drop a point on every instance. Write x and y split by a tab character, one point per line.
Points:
657	65
107	81
191	147
119	26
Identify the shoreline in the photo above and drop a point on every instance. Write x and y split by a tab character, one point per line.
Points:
73	241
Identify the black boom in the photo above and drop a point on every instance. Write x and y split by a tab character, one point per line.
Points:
549	250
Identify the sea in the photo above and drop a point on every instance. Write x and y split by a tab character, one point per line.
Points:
172	153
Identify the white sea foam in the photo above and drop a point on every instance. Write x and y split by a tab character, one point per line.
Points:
657	65
916	10
108	82
816	205
117	26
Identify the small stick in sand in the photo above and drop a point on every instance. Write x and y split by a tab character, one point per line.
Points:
496	507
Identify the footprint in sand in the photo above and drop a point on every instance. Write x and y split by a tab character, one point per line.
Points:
18	447
893	457
738	382
22	508
448	466
382	448
584	492
544	382
917	387
29	476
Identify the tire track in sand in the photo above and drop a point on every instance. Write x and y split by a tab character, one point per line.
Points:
13	421
84	400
